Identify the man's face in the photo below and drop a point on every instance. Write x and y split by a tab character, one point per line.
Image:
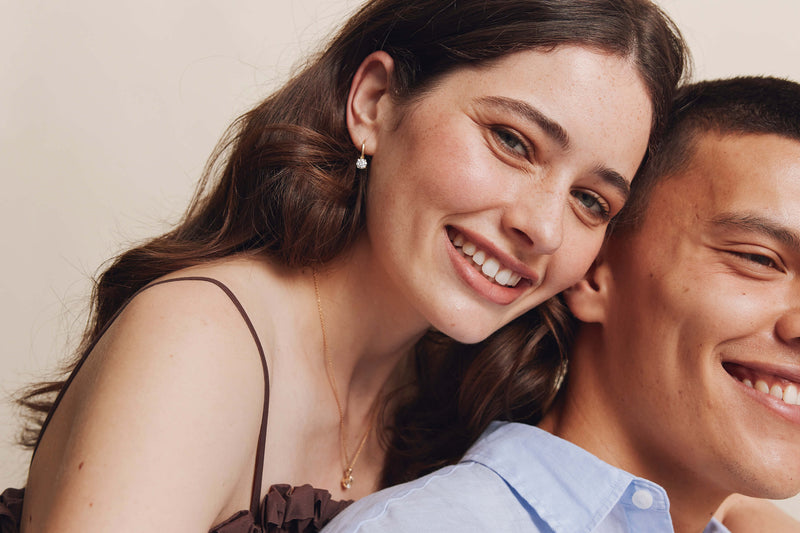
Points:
703	321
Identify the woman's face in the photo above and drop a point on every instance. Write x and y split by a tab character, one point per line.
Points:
492	192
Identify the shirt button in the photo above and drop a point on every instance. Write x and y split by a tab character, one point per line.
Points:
642	499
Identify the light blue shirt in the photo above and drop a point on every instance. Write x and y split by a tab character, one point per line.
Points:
517	478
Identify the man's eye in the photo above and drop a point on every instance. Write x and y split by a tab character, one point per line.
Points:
758	259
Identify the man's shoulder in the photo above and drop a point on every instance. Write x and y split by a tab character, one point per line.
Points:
516	478
451	499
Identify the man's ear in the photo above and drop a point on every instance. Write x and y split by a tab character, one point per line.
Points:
588	299
369	103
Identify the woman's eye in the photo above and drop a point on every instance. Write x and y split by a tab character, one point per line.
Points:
593	203
511	142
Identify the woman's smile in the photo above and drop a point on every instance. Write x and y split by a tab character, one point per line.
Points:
486	263
487	270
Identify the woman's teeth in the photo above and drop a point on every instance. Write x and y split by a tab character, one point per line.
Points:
788	394
489	265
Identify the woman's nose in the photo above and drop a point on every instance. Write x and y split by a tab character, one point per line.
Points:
536	219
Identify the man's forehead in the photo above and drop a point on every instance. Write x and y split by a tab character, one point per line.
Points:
727	177
755	170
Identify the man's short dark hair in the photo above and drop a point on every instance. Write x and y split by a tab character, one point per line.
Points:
735	106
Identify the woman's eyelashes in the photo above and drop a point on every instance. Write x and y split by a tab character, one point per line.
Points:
518	146
511	142
595	204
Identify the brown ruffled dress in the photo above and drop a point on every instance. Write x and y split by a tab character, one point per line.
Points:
286	509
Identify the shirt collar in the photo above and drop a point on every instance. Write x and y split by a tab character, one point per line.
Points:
570	489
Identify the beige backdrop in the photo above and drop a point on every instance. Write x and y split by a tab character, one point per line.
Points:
109	109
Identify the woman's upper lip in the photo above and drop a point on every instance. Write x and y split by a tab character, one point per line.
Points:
507	260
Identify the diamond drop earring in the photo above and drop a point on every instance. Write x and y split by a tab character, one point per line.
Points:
361	162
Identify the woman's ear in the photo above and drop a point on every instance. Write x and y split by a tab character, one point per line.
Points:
588	298
369	102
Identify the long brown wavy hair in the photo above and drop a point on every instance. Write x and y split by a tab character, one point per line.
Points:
282	182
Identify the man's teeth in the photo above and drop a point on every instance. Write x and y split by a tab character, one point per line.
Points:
490	266
789	393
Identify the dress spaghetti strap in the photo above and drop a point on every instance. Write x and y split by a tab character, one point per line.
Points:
285	509
255	494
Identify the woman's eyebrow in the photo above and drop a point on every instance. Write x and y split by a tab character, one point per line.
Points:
761	225
552	128
615	180
555	131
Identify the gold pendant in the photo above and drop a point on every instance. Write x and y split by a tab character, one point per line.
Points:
347	479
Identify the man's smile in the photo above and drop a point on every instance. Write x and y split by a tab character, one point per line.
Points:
780	387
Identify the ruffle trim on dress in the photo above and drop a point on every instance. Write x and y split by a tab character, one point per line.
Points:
285	509
303	509
11	510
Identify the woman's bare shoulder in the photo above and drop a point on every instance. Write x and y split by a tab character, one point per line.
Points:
167	405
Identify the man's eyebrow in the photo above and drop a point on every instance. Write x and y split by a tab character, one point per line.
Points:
761	225
552	128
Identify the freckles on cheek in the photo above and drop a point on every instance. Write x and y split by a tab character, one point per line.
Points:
466	183
584	251
572	266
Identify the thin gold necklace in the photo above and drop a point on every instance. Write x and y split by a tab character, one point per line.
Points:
349	464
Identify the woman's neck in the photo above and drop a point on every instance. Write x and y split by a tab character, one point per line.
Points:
371	327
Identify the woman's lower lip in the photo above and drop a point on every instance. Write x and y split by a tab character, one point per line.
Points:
479	283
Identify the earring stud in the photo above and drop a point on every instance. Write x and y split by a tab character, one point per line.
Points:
361	162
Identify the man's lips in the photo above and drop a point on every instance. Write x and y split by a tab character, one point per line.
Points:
778	386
